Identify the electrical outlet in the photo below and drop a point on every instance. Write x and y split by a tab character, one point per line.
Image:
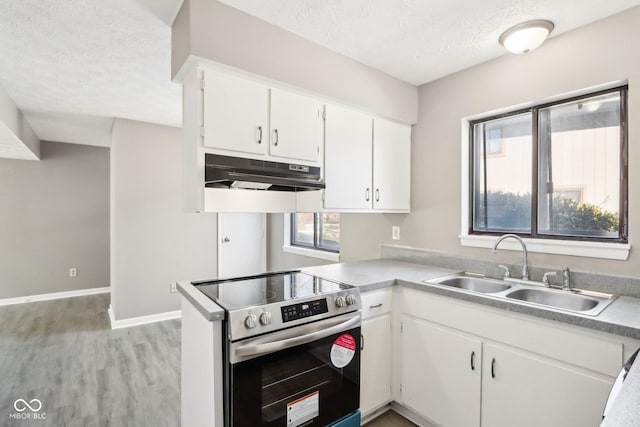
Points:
173	287
395	232
73	272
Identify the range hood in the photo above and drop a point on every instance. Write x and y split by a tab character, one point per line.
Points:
241	173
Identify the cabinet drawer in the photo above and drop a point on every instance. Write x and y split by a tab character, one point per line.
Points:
375	303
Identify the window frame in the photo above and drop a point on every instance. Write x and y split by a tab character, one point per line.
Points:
301	248
623	235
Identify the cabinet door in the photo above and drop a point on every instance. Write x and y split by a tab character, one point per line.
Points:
375	365
235	114
296	126
347	167
391	165
440	373
525	390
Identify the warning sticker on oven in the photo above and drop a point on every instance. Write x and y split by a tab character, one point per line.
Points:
343	350
304	409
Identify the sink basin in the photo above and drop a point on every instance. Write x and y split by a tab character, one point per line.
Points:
563	300
529	293
475	284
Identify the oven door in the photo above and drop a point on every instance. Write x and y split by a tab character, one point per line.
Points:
306	375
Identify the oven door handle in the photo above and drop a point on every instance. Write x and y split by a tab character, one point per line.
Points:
252	350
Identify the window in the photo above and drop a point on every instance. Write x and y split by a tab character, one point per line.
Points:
319	231
561	171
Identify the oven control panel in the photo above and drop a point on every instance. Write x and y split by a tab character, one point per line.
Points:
302	310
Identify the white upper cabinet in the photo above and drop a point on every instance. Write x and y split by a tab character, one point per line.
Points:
391	165
235	114
348	137
243	117
296	126
367	162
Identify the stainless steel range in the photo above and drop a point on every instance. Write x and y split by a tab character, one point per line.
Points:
291	351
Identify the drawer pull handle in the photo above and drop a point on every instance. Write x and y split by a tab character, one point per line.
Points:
473	356
493	367
375	306
259	134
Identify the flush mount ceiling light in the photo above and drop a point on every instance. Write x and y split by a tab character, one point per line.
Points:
527	36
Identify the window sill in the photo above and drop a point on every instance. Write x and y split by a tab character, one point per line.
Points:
615	251
313	253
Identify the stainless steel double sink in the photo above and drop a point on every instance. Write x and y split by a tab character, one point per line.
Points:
529	293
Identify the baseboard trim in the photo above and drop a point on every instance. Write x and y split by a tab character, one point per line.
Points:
142	320
376	413
410	415
54	295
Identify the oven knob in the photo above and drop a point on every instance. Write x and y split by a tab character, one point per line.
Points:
251	321
265	318
341	301
351	299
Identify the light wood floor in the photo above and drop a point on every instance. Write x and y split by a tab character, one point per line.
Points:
64	353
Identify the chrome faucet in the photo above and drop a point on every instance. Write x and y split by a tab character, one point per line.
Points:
566	279
525	266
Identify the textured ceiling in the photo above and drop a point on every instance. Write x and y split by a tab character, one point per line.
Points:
73	65
421	40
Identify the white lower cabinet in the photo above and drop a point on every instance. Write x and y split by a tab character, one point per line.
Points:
460	365
375	362
520	389
440	373
375	377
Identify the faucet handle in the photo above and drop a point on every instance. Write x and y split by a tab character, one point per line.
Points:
566	279
506	271
545	277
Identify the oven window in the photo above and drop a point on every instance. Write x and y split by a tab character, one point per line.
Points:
296	387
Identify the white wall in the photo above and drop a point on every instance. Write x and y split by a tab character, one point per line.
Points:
17	138
153	242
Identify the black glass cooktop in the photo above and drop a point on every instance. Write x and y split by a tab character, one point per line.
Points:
242	292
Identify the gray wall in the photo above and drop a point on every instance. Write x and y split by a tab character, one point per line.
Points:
595	54
153	242
54	215
360	238
213	30
276	258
